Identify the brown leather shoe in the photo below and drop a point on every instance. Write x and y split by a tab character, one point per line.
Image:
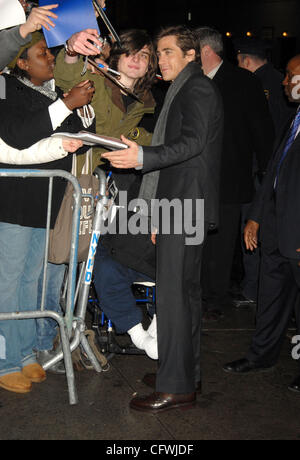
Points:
150	380
34	372
15	382
160	402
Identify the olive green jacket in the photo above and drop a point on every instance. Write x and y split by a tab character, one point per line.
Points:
112	118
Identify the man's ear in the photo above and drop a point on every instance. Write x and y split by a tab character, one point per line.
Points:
191	55
247	62
206	50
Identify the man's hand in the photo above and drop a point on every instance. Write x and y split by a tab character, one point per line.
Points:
38	17
153	236
250	235
124	159
71	145
80	43
79	95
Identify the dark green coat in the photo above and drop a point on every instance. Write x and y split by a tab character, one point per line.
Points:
112	118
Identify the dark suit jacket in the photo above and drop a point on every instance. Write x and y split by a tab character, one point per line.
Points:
281	110
190	157
287	199
248	130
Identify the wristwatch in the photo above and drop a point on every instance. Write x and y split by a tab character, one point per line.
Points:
69	52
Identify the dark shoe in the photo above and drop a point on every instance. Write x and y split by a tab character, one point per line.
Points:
45	356
295	385
161	402
150	381
244	366
240	301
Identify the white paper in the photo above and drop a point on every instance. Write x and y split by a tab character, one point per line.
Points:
88	138
11	14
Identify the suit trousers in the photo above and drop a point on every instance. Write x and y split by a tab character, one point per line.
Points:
279	284
218	255
178	307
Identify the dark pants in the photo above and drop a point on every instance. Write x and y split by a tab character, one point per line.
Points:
279	285
178	308
218	255
113	283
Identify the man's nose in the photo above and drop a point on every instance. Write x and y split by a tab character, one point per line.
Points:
160	60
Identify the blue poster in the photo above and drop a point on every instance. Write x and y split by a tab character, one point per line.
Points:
73	16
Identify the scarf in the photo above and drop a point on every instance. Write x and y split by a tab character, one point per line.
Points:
47	89
150	180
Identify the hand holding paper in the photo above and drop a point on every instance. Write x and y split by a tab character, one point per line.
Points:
124	159
71	145
73	16
80	43
38	18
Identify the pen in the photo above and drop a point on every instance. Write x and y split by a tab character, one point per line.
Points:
102	66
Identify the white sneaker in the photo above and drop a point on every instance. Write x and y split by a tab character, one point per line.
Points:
152	329
143	340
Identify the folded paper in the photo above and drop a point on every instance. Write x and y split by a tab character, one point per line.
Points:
73	16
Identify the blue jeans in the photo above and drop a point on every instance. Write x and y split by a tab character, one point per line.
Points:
47	328
21	260
113	283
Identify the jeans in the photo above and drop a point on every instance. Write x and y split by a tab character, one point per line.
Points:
113	283
47	327
21	260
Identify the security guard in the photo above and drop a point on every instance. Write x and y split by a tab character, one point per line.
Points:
252	55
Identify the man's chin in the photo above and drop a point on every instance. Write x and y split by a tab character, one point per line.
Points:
166	77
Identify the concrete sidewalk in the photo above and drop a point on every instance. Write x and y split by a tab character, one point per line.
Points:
257	406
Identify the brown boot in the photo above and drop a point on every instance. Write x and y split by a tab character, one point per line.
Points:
16	382
34	372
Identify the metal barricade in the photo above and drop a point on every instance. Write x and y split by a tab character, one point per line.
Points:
68	322
79	338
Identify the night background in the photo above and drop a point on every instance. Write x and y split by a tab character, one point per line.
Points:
275	20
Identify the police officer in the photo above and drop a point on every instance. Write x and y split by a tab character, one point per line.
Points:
252	55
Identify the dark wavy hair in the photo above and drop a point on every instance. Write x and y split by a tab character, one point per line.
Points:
185	38
132	41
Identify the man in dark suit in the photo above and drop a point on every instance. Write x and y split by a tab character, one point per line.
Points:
248	129
252	56
276	212
182	164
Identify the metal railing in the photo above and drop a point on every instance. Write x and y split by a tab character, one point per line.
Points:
69	323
